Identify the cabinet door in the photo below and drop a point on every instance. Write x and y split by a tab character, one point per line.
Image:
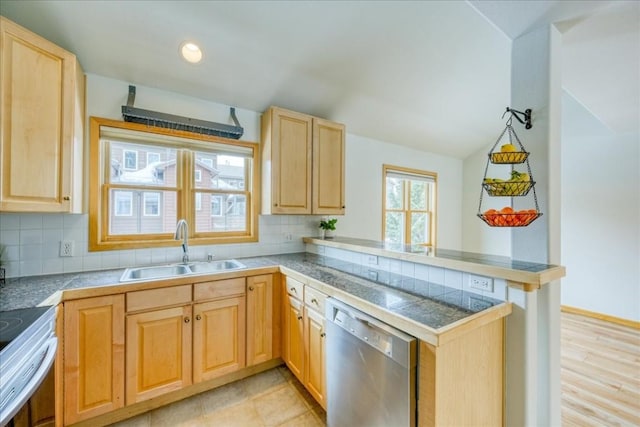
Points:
291	162
328	167
259	319
294	354
42	108
218	338
93	357
314	377
158	352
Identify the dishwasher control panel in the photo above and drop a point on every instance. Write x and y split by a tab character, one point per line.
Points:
364	330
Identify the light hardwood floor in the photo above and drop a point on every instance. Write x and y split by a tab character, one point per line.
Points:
600	373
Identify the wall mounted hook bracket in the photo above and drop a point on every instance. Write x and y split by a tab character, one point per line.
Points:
526	116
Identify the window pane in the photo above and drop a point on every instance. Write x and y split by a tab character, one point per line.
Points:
142	212
419	195
224	172
151	204
394	194
122	203
142	164
221	212
394	227
419	228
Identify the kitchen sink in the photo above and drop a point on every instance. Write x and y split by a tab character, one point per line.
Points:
175	270
216	266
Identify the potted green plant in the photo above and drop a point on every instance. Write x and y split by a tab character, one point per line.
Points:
328	227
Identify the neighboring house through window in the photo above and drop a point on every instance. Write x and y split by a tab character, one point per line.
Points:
123	203
153	158
130	159
409	206
138	205
151	204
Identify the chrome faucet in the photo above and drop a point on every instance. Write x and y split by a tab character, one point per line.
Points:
183	227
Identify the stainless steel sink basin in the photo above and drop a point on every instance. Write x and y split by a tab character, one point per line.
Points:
175	270
216	266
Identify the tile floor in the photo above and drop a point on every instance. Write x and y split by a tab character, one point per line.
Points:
271	398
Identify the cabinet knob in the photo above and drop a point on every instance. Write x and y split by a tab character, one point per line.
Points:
343	206
275	204
294	290
198	317
250	288
187	320
322	335
299	317
314	301
66	198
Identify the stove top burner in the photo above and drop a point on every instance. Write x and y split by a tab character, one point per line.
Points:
13	322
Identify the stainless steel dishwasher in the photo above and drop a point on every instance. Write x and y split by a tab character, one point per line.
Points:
371	371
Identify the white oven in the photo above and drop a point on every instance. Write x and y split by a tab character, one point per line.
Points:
26	360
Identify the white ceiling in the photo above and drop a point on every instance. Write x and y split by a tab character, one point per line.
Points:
432	75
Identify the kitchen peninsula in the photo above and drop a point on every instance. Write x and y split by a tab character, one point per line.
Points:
425	295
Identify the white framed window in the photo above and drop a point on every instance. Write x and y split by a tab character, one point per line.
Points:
130	159
153	158
207	161
123	205
409	206
198	201
198	174
151	204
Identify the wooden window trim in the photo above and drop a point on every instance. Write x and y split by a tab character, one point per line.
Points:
406	210
99	188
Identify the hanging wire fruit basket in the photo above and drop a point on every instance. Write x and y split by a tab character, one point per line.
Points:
507	188
520	184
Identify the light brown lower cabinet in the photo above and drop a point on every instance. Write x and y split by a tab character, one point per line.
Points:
93	357
218	337
260	314
314	378
294	337
158	352
39	411
304	339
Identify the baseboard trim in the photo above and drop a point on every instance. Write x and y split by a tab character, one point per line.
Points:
606	317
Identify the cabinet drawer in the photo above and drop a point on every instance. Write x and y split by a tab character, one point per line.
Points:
295	288
156	298
314	299
218	289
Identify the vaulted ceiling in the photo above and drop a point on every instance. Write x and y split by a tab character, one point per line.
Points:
433	75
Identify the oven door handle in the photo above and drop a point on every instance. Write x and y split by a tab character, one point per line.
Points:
12	408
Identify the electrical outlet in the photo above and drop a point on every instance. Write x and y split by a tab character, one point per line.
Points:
288	237
481	283
372	259
66	248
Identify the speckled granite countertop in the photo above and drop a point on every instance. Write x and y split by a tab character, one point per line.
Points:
488	265
428	304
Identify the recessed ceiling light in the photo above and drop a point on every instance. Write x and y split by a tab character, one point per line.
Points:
191	52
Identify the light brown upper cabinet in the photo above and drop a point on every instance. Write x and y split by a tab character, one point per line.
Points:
42	123
302	164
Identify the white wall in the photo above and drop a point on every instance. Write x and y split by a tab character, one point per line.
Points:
364	160
478	236
600	215
31	241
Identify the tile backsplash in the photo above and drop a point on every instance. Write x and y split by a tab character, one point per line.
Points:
454	279
30	244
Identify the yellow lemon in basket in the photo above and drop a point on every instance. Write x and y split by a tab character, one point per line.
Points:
508	148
